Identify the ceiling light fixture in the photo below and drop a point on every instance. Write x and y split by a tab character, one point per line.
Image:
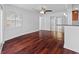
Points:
65	14
42	11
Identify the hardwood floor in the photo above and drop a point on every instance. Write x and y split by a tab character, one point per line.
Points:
40	42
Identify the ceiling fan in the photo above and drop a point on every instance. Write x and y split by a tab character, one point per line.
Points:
44	10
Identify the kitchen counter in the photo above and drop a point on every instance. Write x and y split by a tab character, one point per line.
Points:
65	25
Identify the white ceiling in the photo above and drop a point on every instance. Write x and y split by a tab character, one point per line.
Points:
37	7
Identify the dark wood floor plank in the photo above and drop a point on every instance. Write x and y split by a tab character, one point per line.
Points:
40	42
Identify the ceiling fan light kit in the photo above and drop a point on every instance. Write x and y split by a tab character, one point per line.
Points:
42	12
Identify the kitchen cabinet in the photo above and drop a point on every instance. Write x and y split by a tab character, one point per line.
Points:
75	15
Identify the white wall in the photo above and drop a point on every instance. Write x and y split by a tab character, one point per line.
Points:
69	14
0	27
30	22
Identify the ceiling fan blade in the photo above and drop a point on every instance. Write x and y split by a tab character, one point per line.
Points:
48	11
